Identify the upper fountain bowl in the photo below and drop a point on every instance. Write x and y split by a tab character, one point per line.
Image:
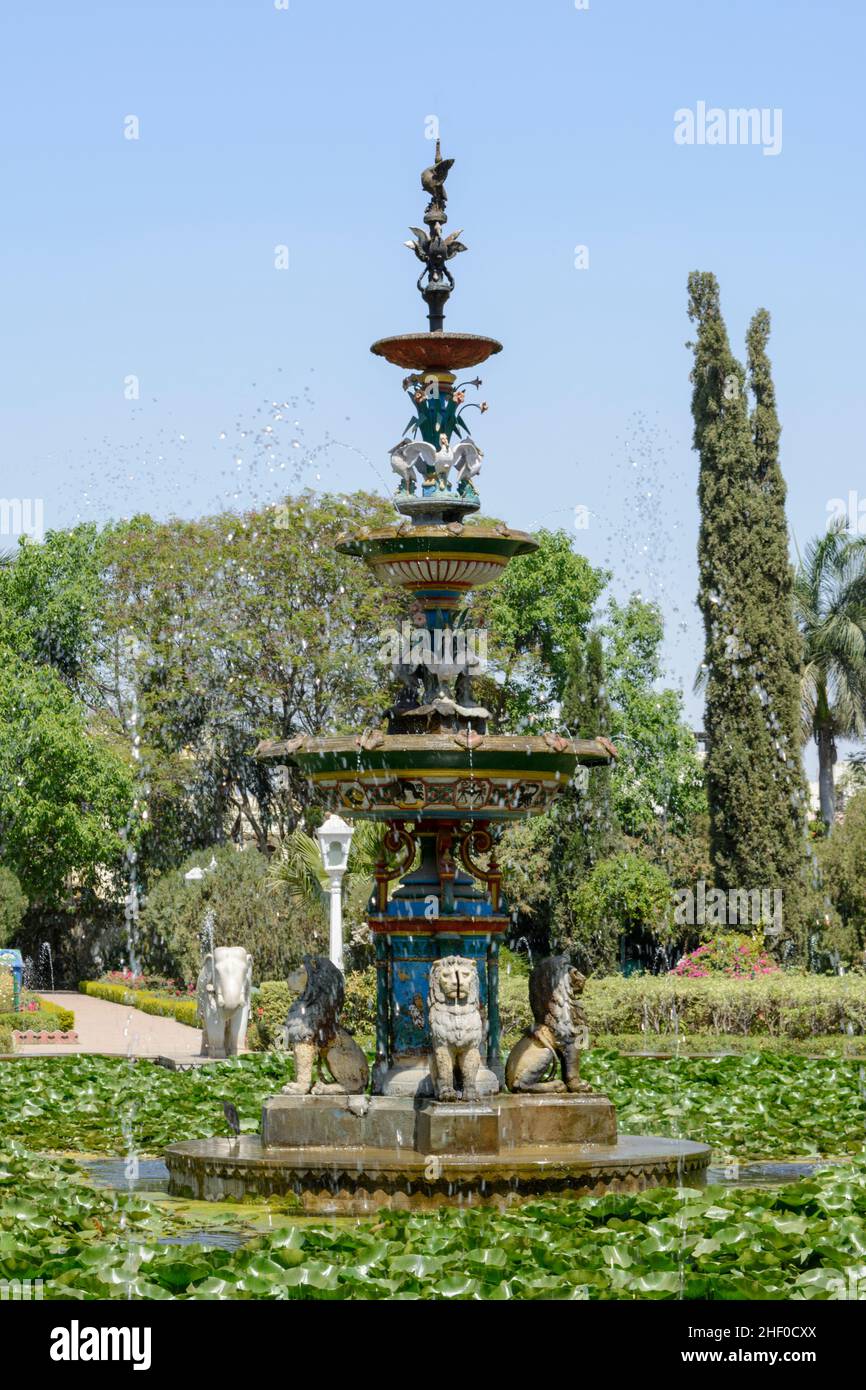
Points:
444	352
377	776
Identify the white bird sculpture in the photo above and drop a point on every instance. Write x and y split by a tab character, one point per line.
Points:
402	464
430	462
467	461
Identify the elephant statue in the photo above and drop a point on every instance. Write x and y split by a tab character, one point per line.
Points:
224	987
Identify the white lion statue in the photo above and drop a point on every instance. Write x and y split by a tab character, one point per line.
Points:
456	1027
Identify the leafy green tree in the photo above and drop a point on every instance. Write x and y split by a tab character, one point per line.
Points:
622	897
533	614
584	827
230	630
13	905
526	853
586	712
830	603
174	925
652	800
842	859
755	780
658	775
50	602
685	856
65	792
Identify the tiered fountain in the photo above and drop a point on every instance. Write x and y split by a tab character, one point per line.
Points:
443	785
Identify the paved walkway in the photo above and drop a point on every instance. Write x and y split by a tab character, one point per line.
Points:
117	1029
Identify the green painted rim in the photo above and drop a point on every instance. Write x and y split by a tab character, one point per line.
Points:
438	540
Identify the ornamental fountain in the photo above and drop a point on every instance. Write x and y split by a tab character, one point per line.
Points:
439	1125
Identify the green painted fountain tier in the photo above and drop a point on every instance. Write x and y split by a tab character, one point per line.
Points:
380	776
450	559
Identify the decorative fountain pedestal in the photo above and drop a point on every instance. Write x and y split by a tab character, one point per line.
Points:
439	1127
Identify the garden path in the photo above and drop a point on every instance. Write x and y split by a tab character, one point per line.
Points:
116	1029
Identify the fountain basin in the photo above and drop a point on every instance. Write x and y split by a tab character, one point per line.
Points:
446	561
356	1155
430	351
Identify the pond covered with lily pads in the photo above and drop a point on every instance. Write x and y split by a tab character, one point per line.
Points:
83	1204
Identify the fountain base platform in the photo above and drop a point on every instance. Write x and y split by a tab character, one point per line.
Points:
354	1155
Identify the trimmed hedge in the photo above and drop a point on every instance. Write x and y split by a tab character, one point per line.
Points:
183	1010
51	1017
701	1044
52	1020
787	1005
5	1039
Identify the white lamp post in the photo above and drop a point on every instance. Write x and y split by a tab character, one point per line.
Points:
334	838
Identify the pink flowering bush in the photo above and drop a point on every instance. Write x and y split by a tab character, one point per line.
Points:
733	954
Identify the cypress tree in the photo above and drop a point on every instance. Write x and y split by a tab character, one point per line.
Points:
755	780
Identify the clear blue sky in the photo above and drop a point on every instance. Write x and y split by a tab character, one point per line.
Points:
305	126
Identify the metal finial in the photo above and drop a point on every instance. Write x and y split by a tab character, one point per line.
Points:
432	248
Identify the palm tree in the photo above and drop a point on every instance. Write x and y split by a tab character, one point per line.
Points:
830	604
298	870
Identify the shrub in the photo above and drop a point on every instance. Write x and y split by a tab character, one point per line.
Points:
271	1004
623	894
5	1038
246	912
154	984
359	1010
7	991
730	953
52	1020
690	1044
13	905
183	1010
514	1011
268	1016
32	1012
784	1004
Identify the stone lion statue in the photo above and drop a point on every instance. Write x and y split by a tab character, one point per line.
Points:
314	1034
558	1032
456	1027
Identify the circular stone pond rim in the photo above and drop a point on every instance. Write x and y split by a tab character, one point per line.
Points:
358	1181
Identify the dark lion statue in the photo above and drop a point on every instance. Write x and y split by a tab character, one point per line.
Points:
314	1034
557	1035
